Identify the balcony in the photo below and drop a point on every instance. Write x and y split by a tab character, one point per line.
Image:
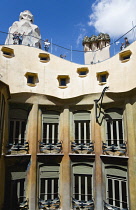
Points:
110	207
50	147
82	147
114	149
19	148
80	204
49	204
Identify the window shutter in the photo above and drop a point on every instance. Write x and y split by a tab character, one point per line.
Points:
116	171
50	118
82	169
82	116
49	172
18	175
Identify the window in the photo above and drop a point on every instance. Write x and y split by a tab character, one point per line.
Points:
82	127
15	189
17	126
50	124
114	127
82	71
116	186
44	57
32	78
63	80
82	184
17	131
7	52
49	184
2	112
102	77
125	56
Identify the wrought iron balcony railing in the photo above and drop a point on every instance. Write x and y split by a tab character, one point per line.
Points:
89	205
49	204
110	207
82	147
24	205
17	148
48	147
114	149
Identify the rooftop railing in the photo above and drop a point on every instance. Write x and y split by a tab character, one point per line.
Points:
73	55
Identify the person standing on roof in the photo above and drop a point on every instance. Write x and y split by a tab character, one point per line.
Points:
126	42
46	45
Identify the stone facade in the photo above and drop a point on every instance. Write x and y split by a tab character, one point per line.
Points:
60	149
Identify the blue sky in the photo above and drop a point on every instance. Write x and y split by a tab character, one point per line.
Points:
67	22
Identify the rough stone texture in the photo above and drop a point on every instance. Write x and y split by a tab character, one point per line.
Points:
25	26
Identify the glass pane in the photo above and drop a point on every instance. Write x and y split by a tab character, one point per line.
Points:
83	187
117	196
76	187
11	130
56	133
17	132
109	133
50	132
76	132
82	132
124	194
88	131
110	191
44	132
120	131
115	132
89	187
42	190
23	132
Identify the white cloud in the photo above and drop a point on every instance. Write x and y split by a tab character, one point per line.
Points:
114	17
82	33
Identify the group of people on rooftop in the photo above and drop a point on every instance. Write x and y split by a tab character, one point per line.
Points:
17	38
125	44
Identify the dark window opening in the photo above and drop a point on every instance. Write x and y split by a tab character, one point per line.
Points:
103	78
83	187
44	58
62	82
115	132
82	73
82	131
49	188
126	57
30	79
6	53
50	133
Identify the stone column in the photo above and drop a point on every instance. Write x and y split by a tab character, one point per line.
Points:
96	137
32	176
65	165
131	145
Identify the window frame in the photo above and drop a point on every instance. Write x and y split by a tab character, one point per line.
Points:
114	120
118	175
86	172
80	120
44	169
